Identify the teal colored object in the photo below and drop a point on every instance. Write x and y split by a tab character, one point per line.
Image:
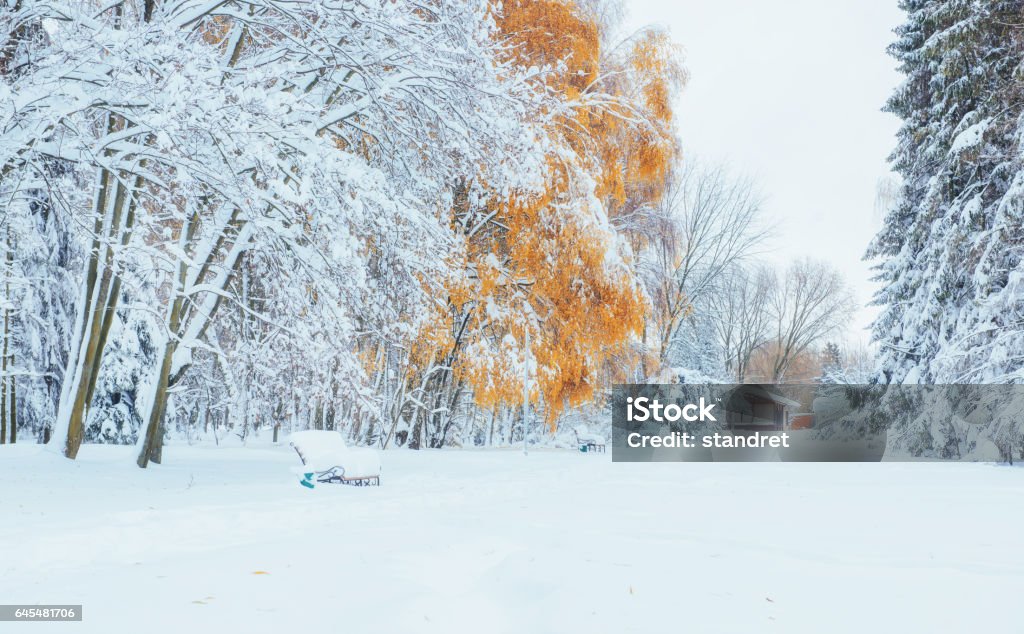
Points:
307	480
583	448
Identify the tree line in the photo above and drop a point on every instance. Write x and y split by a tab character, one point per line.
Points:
379	217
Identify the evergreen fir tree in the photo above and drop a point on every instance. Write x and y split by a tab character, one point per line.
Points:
951	308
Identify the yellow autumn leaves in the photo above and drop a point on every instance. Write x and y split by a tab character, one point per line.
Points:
554	262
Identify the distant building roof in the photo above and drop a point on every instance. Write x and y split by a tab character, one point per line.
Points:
764	393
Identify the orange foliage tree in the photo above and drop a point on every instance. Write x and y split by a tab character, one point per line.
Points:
557	261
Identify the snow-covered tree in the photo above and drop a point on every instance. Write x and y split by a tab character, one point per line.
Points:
329	213
550	265
312	139
949	252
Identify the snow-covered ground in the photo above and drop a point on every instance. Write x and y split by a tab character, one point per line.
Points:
225	540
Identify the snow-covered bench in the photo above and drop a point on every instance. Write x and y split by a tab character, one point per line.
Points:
588	439
325	454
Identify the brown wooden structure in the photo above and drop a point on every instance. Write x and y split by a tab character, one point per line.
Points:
755	408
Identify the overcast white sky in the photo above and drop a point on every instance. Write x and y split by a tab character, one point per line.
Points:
790	93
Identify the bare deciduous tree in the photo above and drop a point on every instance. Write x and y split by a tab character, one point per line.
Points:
808	303
742	317
708	222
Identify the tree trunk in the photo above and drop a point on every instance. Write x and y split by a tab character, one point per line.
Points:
643	352
3	408
318	414
113	293
152	447
13	406
7	336
416	435
70	413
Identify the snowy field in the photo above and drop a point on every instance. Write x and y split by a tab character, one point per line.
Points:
225	540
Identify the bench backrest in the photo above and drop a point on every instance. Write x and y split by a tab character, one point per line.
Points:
584	435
